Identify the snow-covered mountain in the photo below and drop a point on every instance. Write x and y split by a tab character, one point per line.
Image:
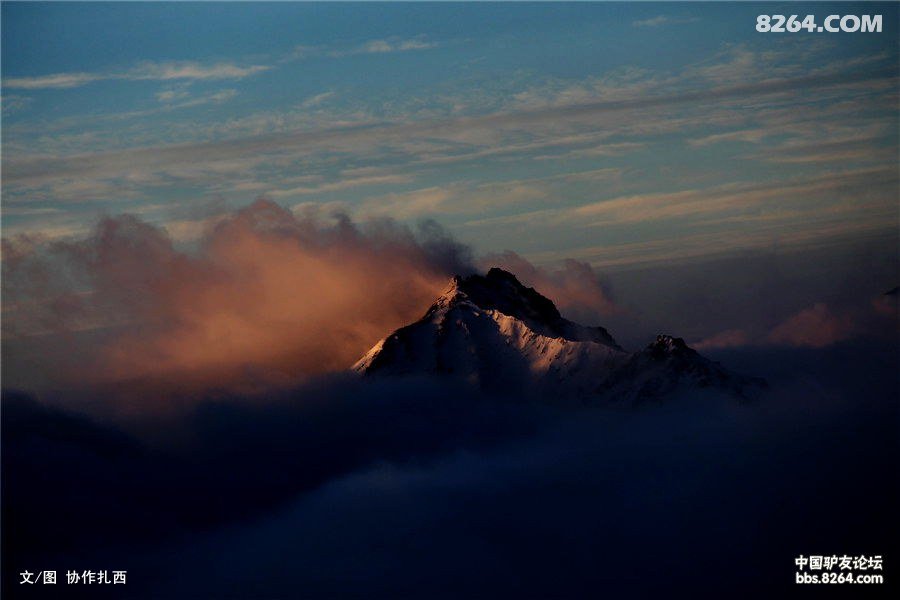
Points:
504	337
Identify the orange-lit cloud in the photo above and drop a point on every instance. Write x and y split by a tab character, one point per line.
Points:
264	297
814	327
267	297
731	338
817	326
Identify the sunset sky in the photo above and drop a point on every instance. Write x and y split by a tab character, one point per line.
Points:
617	135
212	210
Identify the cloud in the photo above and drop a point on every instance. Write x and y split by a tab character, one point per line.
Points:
732	198
425	478
816	326
54	81
12	103
731	338
548	123
155	71
813	327
190	70
392	45
476	199
240	152
224	467
725	218
316	100
212	98
341	184
754	136
660	20
170	95
651	22
680	248
259	297
377	46
452	199
864	144
268	297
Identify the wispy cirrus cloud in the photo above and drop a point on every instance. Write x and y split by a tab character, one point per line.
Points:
317	100
339	185
174	99
823	195
685	248
661	20
392	45
171	95
147	71
53	81
377	46
13	104
632	112
753	136
550	110
191	70
586	131
461	198
872	144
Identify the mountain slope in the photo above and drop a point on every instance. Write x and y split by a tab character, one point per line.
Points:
504	337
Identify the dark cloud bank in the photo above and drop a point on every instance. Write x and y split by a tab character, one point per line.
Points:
320	485
350	488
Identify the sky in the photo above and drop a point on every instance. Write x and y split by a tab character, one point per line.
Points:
211	210
619	135
235	186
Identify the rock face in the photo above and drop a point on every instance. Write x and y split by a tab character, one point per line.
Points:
507	338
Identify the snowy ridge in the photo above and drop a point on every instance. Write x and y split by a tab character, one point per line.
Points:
502	336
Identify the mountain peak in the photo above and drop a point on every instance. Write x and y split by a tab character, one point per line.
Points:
501	291
451	291
667	344
494	331
498	274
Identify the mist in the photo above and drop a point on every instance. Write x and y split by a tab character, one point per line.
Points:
264	299
348	487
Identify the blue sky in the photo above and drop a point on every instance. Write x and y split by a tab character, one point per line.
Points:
617	134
